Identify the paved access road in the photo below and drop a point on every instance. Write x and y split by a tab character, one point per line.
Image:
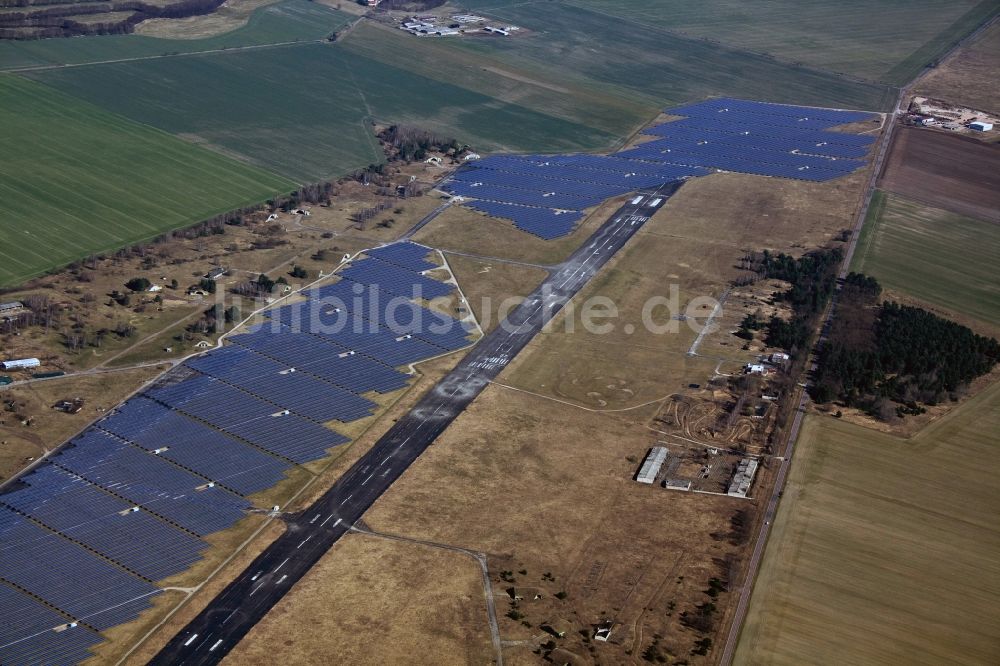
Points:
218	628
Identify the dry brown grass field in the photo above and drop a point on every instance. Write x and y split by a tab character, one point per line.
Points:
492	287
376	601
539	476
968	77
884	549
460	229
693	244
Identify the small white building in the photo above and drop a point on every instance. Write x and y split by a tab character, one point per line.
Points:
980	126
755	368
779	357
20	364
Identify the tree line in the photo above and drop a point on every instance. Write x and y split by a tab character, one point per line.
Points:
57	21
812	279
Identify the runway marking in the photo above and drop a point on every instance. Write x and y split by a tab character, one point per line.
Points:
302	543
386	459
328	518
256	588
190	640
256	576
229	616
315	518
282	579
343	501
215	645
282	564
372	474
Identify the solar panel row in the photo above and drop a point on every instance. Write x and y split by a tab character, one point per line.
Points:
68	576
121	532
411	256
33	633
126	502
152	482
776	140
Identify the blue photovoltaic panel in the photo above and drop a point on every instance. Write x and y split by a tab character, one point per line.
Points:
296	439
405	254
498	192
152	482
67	576
541	222
212	401
385	346
776	140
720	106
86	514
235	365
28	634
326	360
312	398
204	451
396	280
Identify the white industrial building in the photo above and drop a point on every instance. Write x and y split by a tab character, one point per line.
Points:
743	478
20	364
980	126
651	466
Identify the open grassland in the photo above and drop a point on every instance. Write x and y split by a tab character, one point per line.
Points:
542	487
884	550
689	251
306	111
461	229
880	41
493	289
644	62
78	180
969	76
945	259
287	21
376	601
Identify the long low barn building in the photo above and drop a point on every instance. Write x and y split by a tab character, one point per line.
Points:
20	363
651	466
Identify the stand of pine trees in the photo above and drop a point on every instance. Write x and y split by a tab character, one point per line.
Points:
891	359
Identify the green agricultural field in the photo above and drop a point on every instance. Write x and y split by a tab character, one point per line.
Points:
646	63
288	21
933	255
306	111
76	180
878	40
883	549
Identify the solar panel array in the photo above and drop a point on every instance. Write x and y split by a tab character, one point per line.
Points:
85	538
33	633
545	194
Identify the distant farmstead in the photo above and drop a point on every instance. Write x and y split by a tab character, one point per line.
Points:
20	364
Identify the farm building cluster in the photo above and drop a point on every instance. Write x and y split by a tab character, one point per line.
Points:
456	24
925	112
709	470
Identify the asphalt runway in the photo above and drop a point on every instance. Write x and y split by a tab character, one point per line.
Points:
310	534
